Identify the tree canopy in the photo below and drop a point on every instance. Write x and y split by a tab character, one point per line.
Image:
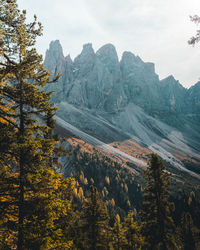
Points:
28	156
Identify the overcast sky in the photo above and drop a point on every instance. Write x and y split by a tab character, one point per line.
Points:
156	30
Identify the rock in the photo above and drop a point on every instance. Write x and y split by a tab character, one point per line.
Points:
91	82
99	82
118	101
108	56
174	95
55	63
141	83
193	99
96	80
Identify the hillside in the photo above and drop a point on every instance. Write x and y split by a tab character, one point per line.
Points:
124	104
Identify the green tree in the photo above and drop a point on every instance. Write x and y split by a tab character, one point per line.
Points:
93	223
119	239
133	232
28	152
188	232
48	205
158	224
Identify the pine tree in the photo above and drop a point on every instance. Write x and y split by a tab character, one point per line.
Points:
188	232
158	224
28	153
132	232
47	207
94	222
119	238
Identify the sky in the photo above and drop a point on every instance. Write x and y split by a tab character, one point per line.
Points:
155	30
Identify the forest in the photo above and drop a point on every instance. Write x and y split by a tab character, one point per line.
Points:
100	205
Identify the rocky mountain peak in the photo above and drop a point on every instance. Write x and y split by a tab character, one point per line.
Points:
87	49
128	57
86	59
83	64
115	84
194	98
55	63
150	66
131	63
108	51
174	94
68	59
171	82
109	58
126	100
195	87
169	79
54	59
55	49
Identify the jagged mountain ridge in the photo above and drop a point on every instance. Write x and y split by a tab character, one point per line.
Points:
118	100
118	82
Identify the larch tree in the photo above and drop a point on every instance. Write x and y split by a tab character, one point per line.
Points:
189	234
93	222
133	232
27	151
119	241
158	225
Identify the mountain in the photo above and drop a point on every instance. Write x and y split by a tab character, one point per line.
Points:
193	99
124	106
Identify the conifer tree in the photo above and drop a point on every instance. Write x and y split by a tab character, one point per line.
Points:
94	222
132	232
188	232
47	207
27	151
158	224
119	238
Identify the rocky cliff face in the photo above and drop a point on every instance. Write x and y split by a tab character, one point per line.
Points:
55	63
118	100
140	82
99	81
174	95
193	99
93	80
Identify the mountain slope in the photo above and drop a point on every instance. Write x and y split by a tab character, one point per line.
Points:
115	102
